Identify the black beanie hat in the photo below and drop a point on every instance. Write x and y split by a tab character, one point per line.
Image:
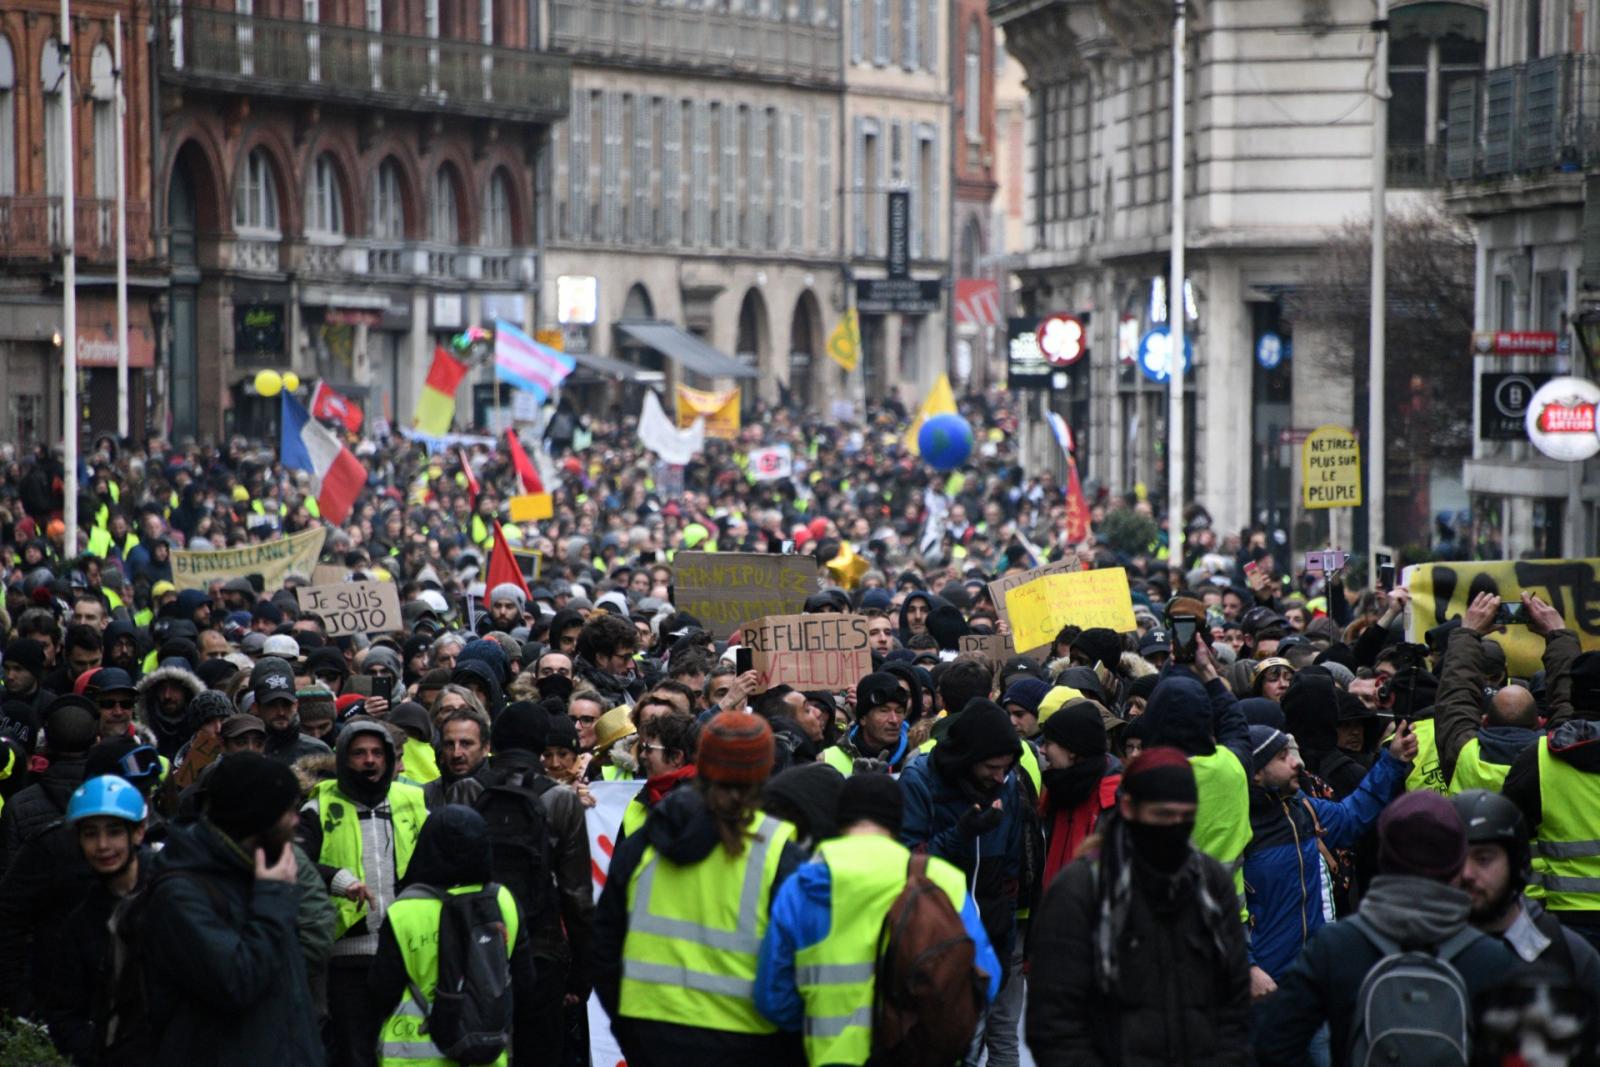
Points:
1077	727
873	797
71	725
522	725
1100	645
28	654
248	793
981	731
563	732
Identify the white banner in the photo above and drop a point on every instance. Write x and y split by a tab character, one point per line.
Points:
771	464
604	822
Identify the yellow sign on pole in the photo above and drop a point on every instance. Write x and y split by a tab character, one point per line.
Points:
720	410
844	344
1330	469
1088	599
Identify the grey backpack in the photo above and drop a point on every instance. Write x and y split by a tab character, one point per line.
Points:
1413	1008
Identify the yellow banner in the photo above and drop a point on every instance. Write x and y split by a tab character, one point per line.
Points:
1330	469
844	344
1039	609
1441	592
720	410
531	507
273	560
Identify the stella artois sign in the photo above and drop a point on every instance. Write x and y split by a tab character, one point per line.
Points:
1561	419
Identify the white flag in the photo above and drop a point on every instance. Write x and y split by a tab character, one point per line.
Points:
659	435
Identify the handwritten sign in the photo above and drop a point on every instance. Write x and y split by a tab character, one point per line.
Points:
994	648
329	574
827	652
274	560
354	607
1441	592
725	590
1083	598
1330	469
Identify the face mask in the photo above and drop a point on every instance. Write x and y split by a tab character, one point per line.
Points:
555	685
1067	787
1164	848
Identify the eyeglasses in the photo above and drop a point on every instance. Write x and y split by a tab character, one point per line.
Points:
655	748
108	703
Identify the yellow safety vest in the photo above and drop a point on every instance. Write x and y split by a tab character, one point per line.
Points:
1425	770
839	760
1474	772
1222	822
1566	852
634	815
414	917
694	932
341	838
835	976
421	762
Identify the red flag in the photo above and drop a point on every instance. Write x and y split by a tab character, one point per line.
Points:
328	404
1077	509
531	482
472	479
502	566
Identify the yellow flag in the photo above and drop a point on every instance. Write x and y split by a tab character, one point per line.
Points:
844	344
940	401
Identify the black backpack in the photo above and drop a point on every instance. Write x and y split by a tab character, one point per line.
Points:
469	1020
519	835
126	1019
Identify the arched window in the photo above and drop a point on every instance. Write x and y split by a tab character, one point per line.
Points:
497	213
255	195
103	90
8	120
444	227
972	96
324	199
388	221
52	80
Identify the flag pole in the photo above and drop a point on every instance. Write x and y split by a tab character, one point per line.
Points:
69	298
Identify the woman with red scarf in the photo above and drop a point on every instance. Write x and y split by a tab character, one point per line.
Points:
1081	781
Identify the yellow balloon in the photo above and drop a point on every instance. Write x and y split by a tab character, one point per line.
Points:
268	382
291	381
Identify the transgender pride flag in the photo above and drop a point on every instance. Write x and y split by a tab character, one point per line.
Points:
523	363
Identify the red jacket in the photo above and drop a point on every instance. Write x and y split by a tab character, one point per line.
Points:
1066	831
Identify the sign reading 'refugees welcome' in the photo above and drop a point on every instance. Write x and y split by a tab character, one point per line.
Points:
827	652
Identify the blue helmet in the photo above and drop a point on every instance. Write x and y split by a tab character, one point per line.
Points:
106	795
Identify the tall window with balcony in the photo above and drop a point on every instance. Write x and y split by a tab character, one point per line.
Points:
495	234
386	222
255	214
444	230
53	81
1433	47
324	217
972	86
8	123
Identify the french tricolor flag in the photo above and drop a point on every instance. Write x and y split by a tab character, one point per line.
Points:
523	363
306	445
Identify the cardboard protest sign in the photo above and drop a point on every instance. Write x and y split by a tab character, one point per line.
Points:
1007	582
274	560
205	747
725	590
354	607
1042	607
994	648
827	652
1330	469
531	507
529	562
1441	592
329	574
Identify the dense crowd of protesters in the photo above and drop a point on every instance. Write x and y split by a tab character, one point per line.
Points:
1260	827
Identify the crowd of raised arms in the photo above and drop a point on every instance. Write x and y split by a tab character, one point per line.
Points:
1260	825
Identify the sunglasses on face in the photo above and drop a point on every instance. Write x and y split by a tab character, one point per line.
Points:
108	703
587	720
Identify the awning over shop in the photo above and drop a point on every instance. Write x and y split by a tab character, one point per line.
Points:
606	367
685	349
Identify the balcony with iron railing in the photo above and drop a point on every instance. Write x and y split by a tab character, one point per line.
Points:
1416	166
699	39
224	51
31	228
1524	126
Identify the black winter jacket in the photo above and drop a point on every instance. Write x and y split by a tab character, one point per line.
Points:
1176	1002
230	982
36	807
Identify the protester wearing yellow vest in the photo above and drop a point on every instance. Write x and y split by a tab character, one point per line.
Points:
453	858
1477	741
1556	784
818	961
684	909
361	827
1205	723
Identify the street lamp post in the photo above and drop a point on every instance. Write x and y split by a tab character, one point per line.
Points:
1177	305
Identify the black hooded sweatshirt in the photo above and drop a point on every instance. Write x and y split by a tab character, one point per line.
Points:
453	850
682	830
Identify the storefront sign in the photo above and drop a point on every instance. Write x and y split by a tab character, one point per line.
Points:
1518	343
905	296
1560	420
1503	401
371	318
258	332
1026	367
898	264
97	334
577	299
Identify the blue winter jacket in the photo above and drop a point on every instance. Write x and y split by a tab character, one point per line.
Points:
991	862
802	914
1283	869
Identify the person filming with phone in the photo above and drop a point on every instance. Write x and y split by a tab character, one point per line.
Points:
1478	739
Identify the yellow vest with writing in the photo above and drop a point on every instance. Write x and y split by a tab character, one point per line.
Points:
341	838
